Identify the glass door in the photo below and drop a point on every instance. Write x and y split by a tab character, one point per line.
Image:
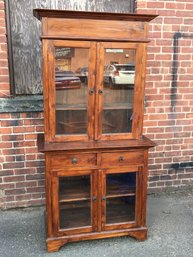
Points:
75	202
120	199
119	93
72	100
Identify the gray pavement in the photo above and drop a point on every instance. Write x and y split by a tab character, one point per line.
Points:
169	219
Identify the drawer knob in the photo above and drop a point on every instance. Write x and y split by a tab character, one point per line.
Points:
103	198
121	158
74	160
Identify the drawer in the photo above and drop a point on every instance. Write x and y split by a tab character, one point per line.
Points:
122	158
73	160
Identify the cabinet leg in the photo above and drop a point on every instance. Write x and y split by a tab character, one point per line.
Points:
53	245
140	235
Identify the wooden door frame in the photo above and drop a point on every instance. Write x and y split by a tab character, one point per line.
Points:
139	189
138	105
55	202
50	92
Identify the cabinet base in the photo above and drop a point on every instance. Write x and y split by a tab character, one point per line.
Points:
54	243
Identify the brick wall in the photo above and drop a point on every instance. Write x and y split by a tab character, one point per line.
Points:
21	166
4	77
168	113
169	92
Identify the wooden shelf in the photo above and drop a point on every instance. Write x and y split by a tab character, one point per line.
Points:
71	107
72	194
82	108
118	211
114	191
119	195
73	215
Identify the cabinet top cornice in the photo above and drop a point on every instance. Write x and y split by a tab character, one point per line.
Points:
52	13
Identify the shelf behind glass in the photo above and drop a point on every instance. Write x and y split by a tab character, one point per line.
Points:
75	214
80	193
110	106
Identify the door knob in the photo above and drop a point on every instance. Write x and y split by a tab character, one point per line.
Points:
94	198
91	91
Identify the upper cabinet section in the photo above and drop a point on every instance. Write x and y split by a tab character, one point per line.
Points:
93	75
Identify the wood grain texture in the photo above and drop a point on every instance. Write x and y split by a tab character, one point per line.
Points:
95	29
27	56
84	5
94	5
54	244
73	160
122	158
143	143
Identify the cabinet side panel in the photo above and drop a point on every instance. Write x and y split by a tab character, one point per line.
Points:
144	190
48	198
45	87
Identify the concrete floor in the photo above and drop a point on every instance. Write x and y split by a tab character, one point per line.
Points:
169	219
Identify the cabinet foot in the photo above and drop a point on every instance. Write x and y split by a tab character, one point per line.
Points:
140	235
53	245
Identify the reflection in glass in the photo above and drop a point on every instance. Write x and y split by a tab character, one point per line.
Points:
71	80
74	202
121	196
119	79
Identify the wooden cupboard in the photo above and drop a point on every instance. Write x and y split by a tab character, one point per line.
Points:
96	155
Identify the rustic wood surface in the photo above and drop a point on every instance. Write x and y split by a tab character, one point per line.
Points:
27	53
94	5
92	145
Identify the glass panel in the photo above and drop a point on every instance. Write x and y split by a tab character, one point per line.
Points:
74	201
120	210
71	80
119	78
120	194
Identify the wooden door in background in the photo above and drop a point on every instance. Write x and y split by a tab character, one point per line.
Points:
24	32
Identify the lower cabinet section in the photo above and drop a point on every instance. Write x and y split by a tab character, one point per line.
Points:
95	203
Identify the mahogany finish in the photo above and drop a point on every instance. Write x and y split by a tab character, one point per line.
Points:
96	156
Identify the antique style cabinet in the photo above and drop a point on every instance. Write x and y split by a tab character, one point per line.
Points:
96	155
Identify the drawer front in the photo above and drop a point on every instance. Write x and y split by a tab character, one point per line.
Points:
73	160
122	158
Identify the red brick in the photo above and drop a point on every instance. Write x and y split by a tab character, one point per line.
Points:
155	5
7	186
35	189
13	178
23	197
26	184
13	165
173	20
174	5
15	191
